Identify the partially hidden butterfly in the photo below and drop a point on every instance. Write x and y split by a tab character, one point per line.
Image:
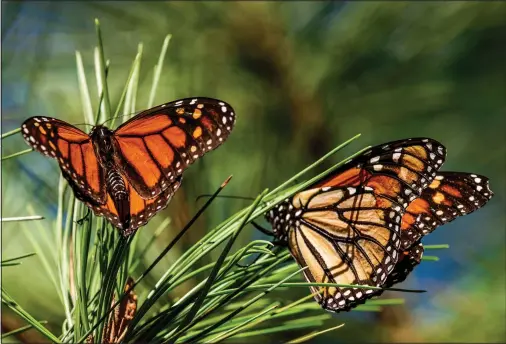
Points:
129	174
362	224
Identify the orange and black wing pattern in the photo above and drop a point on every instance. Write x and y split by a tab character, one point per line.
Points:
156	146
72	148
410	164
449	195
140	210
346	228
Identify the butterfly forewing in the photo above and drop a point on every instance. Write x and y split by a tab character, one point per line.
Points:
169	138
72	148
408	165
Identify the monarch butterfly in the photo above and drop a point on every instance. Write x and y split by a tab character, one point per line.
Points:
129	174
352	227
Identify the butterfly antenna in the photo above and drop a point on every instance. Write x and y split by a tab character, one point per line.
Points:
120	116
84	124
225	196
406	290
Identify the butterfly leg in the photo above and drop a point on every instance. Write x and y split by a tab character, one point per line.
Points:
248	265
85	218
279	243
261	229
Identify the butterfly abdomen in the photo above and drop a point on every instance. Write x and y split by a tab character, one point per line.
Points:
117	189
102	138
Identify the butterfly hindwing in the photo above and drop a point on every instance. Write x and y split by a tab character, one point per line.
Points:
399	169
450	195
408	260
156	146
140	210
72	148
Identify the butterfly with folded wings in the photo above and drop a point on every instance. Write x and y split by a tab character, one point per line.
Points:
363	224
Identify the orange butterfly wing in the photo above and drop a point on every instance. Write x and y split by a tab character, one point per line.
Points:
156	146
451	194
140	210
346	228
410	164
72	148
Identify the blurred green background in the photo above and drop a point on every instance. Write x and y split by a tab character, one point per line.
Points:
302	77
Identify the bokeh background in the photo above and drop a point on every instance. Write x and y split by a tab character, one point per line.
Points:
302	77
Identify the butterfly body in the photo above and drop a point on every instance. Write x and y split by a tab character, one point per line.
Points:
102	139
129	174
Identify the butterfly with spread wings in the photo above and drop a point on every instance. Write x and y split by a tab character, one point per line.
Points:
129	174
351	228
